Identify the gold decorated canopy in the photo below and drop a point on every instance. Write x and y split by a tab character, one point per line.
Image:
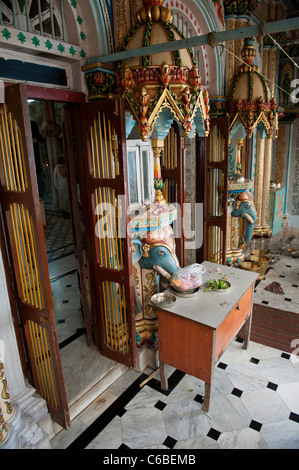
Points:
169	79
250	100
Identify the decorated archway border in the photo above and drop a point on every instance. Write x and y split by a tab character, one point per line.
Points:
31	41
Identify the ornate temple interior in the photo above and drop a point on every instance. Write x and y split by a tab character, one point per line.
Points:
149	224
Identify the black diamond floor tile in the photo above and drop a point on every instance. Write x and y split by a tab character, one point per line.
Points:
294	417
214	434
160	405
272	386
237	392
254	360
199	398
170	442
255	425
285	355
221	365
124	446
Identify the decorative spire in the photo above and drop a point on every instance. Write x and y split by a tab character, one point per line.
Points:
248	55
153	10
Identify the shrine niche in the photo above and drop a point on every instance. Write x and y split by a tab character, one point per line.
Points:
253	109
159	90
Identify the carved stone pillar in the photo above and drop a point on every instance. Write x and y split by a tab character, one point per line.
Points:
258	181
158	146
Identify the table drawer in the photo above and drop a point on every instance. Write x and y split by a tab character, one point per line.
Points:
233	322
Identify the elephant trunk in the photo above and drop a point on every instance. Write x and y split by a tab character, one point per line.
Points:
162	271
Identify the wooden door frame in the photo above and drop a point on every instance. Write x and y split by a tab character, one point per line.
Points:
21	212
89	184
39	94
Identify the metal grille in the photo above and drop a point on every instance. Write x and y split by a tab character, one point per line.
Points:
12	151
110	253
169	161
216	191
105	166
116	325
104	148
44	369
31	291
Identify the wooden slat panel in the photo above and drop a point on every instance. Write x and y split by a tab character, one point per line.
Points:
216	178
27	253
172	170
103	180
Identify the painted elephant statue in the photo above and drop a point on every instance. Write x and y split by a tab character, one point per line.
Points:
243	206
155	254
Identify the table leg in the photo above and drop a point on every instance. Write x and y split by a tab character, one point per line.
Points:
163	376
247	330
207	399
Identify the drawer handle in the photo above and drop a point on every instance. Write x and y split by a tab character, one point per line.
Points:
238	307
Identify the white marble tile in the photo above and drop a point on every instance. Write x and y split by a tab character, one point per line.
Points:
235	353
65	438
222	384
242	439
120	385
109	438
146	398
186	420
228	413
279	370
264	405
82	366
204	442
290	395
281	434
260	351
185	390
97	407
143	427
246	376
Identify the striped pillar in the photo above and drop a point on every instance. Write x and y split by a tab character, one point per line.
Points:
266	185
258	182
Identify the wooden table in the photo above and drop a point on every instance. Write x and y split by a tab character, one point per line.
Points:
195	331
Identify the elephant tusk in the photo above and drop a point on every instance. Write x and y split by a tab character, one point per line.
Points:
248	218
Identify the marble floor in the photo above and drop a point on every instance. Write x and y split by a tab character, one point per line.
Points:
254	405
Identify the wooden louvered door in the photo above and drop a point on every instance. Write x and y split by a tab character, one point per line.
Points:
172	170
21	214
103	178
216	178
